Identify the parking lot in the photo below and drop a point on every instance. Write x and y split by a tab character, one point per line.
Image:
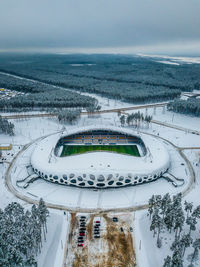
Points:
98	240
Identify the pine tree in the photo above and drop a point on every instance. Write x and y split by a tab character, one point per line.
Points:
169	217
31	261
158	201
167	262
157	223
188	207
177	245
186	241
196	212
165	202
194	256
191	221
177	200
3	259
153	225
179	220
122	120
151	206
177	260
43	213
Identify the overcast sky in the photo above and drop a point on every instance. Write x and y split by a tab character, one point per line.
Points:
130	25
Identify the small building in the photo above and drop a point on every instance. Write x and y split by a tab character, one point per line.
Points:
5	146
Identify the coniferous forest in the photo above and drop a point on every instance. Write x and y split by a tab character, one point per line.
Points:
22	233
128	78
190	106
179	220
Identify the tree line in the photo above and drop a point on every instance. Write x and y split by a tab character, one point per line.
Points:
137	119
191	106
21	234
131	79
68	115
6	127
169	214
40	96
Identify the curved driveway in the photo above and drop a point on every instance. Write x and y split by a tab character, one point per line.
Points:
13	190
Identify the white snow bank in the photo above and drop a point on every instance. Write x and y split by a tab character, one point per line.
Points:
53	249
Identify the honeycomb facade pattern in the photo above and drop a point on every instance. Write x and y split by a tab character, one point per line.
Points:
99	181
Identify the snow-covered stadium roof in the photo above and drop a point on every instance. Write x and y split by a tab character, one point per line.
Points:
155	162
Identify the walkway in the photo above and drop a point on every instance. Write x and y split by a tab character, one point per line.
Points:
30	200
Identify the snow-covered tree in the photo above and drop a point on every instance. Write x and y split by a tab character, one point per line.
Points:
151	206
43	213
156	225
188	207
6	126
177	260
195	255
196	212
186	241
122	120
21	234
167	262
191	221
179	220
165	202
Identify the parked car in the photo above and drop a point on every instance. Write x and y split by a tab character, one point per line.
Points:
115	219
82	234
96	233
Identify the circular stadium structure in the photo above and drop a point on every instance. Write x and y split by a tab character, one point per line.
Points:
100	157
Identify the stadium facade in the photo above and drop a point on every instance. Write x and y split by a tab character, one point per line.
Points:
100	157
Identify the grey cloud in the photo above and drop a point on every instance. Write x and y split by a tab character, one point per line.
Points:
97	23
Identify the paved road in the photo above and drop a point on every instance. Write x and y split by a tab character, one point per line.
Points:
165	124
13	190
191	148
134	208
23	116
98	112
62	207
180	128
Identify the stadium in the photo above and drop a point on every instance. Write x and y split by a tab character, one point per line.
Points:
100	157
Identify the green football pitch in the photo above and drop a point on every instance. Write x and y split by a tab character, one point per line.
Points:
69	150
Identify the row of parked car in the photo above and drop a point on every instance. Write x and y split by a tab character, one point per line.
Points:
96	229
82	230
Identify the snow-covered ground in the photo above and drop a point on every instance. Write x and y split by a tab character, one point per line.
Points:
147	253
170	59
73	197
54	248
168	62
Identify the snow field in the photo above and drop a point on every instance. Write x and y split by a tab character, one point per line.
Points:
27	130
